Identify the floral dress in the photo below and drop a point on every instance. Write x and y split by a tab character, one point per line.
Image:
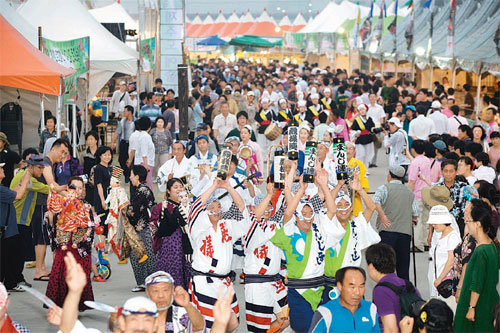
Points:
138	212
462	254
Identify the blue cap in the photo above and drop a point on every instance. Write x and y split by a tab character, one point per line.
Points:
202	137
439	145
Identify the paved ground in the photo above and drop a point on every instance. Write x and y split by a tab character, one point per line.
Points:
116	290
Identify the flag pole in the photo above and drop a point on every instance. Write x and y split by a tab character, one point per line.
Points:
42	107
478	93
59	107
429	48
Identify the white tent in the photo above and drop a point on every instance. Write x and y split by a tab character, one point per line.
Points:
334	15
17	21
285	21
299	20
114	13
68	19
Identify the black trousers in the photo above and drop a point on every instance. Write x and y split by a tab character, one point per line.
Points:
123	157
401	244
11	272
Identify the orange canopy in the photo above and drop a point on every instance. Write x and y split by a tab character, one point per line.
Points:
24	66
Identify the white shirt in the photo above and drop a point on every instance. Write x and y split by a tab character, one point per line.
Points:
421	127
439	253
485	173
454	123
172	166
365	98
361	236
376	112
143	145
440	122
224	125
115	105
209	243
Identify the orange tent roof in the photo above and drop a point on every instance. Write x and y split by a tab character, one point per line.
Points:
246	23
24	66
215	28
264	27
198	30
232	24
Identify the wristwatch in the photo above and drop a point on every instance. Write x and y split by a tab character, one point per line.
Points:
472	307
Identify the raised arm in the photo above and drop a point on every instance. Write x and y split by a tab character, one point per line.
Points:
76	281
291	206
20	189
369	204
289	181
208	193
322	181
262	206
237	199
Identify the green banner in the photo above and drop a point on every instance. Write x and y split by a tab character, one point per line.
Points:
294	41
71	54
148	54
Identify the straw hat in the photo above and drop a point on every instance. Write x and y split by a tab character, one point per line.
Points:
437	195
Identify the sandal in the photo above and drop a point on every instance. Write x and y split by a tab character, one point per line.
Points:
44	278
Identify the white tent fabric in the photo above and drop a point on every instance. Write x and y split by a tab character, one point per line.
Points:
299	20
285	21
114	13
19	23
333	16
68	19
475	25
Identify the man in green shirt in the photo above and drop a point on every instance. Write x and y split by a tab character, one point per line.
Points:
24	210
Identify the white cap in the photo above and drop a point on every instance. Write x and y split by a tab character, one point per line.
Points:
378	75
250	93
436	105
301	103
314	96
227	70
265	100
396	121
327	90
439	214
362	106
236	68
282	100
135	304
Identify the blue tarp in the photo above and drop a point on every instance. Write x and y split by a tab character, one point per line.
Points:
212	41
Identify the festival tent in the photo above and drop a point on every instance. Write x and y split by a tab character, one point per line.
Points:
285	23
299	22
25	67
251	41
264	27
207	22
19	23
333	16
213	29
232	23
193	25
26	73
69	19
476	24
246	22
212	41
114	13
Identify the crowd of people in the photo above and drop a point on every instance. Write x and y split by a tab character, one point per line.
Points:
273	181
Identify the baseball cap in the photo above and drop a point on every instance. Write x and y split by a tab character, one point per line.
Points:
250	93
436	105
201	137
437	315
396	121
201	127
36	160
439	145
123	83
397	171
378	75
140	305
159	277
231	139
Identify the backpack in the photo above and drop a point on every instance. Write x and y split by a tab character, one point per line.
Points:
409	301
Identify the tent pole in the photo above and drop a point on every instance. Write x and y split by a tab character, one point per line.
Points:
413	68
42	113
430	74
454	73
73	123
396	66
370	64
478	92
59	107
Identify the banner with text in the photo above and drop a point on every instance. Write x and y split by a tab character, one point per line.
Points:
71	54
148	52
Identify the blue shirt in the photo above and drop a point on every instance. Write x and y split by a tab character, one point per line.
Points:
8	211
197	113
152	112
333	317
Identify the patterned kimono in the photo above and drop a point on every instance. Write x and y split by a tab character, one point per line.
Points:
138	213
